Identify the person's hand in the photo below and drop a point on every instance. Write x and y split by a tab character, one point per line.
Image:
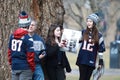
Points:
101	63
100	66
63	43
42	55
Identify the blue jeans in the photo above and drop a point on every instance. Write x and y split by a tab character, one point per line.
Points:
22	74
38	73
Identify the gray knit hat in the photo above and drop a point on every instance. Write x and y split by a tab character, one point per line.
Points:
94	18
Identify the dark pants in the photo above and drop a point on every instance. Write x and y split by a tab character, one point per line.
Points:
56	73
85	72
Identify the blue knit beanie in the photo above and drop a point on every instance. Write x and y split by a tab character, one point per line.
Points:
94	18
24	20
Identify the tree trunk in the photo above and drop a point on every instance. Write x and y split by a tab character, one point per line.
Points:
45	12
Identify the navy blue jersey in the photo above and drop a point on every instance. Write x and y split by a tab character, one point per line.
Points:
88	51
39	46
19	49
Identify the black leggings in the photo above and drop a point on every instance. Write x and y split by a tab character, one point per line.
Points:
85	72
56	73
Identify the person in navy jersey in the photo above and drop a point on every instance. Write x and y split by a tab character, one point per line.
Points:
20	50
92	44
39	49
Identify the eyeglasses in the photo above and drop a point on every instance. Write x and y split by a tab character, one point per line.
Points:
33	25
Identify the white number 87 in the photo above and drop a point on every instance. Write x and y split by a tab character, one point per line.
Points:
16	45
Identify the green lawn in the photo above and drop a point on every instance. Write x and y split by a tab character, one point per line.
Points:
72	59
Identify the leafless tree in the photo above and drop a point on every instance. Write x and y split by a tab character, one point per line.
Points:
46	12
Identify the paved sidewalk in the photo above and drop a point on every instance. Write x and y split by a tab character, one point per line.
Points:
106	72
112	72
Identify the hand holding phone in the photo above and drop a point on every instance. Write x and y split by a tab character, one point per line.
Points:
42	55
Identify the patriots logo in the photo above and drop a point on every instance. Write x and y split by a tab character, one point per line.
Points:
30	39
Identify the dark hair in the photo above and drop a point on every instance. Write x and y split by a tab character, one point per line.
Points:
51	37
95	37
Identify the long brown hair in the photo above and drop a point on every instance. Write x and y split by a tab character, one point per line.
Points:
95	34
51	37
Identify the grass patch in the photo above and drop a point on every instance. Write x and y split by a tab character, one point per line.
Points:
104	77
72	77
109	77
